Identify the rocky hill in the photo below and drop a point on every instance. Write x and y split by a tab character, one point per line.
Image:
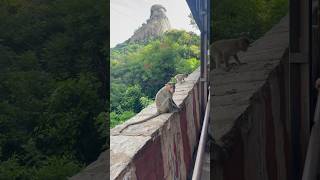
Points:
156	25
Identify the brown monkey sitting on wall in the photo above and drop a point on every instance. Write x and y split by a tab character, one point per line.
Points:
222	50
164	103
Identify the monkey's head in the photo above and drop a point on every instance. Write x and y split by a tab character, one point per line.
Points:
244	43
171	87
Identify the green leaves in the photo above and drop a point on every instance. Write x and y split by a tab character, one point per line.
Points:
138	71
233	17
12	170
120	118
52	168
52	86
145	101
57	168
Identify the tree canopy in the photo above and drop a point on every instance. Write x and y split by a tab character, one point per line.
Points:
53	86
139	70
234	18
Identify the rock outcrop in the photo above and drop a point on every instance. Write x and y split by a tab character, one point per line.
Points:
156	25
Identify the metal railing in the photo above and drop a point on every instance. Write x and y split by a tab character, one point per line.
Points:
312	162
203	137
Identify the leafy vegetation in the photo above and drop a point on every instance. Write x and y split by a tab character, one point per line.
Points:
53	87
53	77
139	70
233	18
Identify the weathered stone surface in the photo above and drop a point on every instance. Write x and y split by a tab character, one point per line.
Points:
150	127
157	24
250	76
231	91
224	118
238	99
161	148
237	87
143	129
247	125
250	66
123	148
97	170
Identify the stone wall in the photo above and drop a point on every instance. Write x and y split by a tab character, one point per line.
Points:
163	147
97	170
249	115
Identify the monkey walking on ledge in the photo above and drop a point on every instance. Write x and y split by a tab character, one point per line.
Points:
164	103
222	50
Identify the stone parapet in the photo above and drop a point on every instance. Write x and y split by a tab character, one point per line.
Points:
163	147
249	123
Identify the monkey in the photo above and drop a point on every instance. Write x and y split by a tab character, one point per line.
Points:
180	77
164	103
222	50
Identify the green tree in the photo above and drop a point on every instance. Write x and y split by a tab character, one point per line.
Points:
57	168
150	65
53	85
131	99
252	17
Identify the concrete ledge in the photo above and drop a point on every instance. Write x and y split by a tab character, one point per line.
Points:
232	92
163	147
247	125
98	170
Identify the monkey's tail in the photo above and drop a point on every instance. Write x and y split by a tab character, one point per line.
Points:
141	121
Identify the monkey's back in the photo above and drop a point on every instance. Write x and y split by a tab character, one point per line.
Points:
225	45
161	95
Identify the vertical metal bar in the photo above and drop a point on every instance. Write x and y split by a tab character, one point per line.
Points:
306	84
294	19
294	89
204	55
201	79
205	62
202	59
299	83
295	119
199	158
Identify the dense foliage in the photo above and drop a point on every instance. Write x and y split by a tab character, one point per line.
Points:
233	18
53	86
139	70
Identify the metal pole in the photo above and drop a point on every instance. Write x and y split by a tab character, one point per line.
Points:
204	55
203	138
205	51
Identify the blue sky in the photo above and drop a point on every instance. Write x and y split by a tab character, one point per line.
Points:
127	15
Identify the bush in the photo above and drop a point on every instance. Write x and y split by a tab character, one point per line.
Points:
57	168
11	169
